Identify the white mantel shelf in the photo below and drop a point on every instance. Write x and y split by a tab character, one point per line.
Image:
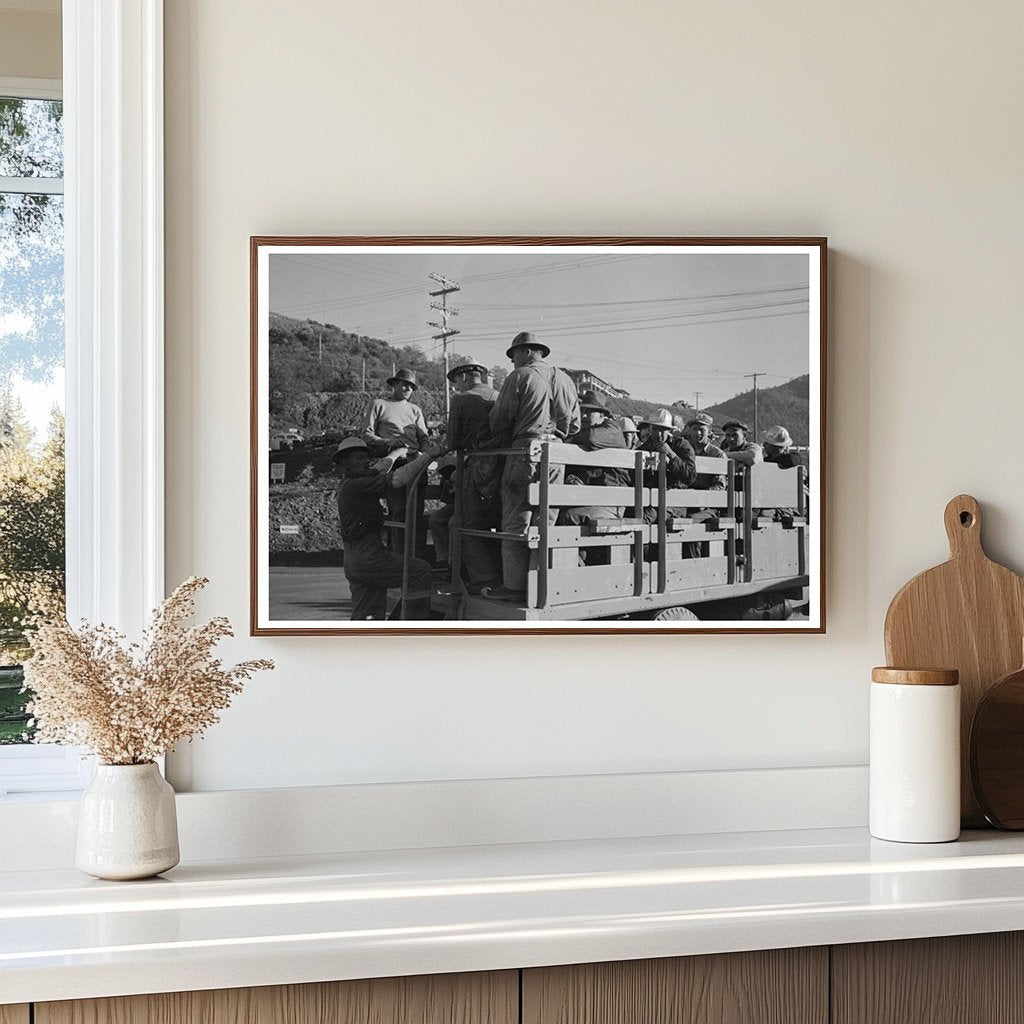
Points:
225	924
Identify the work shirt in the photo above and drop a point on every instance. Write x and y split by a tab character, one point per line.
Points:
395	423
785	460
469	425
591	439
359	507
709	481
536	400
747	453
681	470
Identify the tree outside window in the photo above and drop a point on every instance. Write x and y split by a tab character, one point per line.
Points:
32	542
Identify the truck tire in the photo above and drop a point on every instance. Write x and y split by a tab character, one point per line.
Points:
678	613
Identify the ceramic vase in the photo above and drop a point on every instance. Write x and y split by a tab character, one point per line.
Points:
127	825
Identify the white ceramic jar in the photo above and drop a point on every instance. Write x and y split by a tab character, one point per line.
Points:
915	755
127	823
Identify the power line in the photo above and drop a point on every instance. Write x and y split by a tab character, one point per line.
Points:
636	302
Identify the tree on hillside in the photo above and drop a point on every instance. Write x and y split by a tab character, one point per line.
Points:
31	525
498	375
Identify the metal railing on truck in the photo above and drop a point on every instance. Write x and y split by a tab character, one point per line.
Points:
750	536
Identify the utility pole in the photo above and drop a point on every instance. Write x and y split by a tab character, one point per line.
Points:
698	395
364	375
760	373
447	287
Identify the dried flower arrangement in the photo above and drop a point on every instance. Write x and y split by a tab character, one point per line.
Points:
130	703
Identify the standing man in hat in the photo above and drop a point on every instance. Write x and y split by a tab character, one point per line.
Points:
469	425
537	402
600	430
469	429
396	422
698	432
369	567
737	447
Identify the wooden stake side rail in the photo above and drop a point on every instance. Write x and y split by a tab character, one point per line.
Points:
724	543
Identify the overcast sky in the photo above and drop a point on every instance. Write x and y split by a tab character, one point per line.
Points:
661	326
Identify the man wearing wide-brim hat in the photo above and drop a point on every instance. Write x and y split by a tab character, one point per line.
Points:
737	447
469	430
777	445
537	402
777	451
396	422
369	567
656	435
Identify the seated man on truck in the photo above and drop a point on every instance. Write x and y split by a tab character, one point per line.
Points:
777	445
681	468
698	432
397	425
737	447
369	567
600	430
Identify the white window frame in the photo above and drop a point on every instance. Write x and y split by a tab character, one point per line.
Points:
37	767
114	334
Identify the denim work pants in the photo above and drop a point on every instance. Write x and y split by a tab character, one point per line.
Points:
372	570
517	516
480	511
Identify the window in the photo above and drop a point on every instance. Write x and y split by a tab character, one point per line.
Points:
113	330
32	532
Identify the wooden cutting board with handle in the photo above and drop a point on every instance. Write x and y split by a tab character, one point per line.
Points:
967	614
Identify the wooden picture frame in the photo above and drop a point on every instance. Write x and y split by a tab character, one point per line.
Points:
705	315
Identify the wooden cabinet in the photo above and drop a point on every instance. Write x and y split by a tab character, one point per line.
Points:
776	986
962	979
967	979
491	998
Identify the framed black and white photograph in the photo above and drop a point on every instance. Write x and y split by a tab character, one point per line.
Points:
537	435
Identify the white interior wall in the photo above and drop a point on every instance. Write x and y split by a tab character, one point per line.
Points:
894	129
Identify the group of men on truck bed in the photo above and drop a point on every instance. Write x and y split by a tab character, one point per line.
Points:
537	401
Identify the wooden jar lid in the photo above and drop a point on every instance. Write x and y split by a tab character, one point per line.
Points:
916	676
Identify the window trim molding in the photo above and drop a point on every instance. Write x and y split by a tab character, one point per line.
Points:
32	88
114	330
113	111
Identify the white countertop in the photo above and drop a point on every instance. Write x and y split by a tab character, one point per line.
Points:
224	924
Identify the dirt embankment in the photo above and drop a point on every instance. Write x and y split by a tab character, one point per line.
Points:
309	515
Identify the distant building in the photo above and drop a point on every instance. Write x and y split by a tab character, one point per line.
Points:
587	381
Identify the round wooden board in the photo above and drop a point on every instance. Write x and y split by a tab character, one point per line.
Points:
997	752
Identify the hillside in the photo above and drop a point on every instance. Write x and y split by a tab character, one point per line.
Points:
317	374
787	404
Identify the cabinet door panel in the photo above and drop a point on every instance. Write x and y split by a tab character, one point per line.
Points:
959	979
777	986
482	998
14	1014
